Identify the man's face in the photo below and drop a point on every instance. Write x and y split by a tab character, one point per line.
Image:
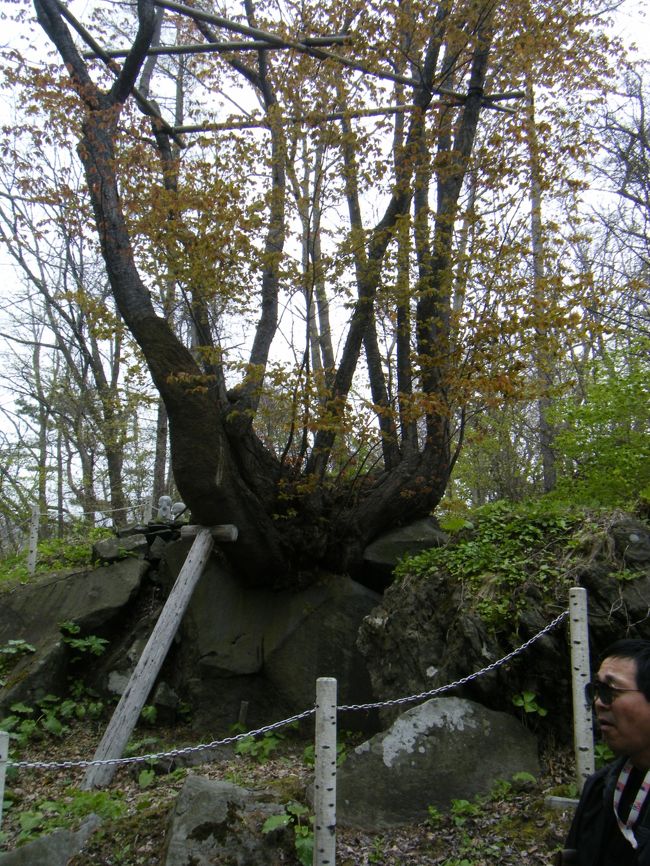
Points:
625	724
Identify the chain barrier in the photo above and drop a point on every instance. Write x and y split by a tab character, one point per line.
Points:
157	756
463	680
174	753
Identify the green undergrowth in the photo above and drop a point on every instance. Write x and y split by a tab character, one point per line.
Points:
52	716
492	825
69	811
74	550
503	553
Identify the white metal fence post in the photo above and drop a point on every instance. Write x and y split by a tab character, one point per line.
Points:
33	540
325	774
583	735
4	754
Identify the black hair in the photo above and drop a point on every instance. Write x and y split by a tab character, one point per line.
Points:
638	650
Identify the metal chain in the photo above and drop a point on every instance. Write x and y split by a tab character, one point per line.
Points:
464	680
173	753
52	765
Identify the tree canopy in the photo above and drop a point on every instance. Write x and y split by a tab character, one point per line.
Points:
315	224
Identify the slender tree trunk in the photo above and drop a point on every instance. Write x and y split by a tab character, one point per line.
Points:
43	425
544	362
60	501
159	487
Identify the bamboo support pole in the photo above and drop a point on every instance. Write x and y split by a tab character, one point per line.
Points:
325	773
32	550
4	754
583	736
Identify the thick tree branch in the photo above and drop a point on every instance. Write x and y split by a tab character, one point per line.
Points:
121	89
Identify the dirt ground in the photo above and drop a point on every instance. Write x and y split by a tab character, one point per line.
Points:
510	827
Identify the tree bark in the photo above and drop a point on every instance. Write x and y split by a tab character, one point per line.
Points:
204	470
544	363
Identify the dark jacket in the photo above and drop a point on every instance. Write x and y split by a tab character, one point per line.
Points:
594	831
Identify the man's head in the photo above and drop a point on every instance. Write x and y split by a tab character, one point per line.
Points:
624	717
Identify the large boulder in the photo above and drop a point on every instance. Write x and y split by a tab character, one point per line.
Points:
422	637
403	541
267	648
92	599
427	632
444	749
218	822
382	555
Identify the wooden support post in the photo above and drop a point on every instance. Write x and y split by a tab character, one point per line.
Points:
583	734
325	774
139	686
224	532
4	754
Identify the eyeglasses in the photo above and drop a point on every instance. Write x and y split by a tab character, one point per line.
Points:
603	692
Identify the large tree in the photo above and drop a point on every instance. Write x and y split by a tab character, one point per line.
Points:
419	77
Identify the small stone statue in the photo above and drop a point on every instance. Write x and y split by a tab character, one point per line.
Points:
165	509
177	509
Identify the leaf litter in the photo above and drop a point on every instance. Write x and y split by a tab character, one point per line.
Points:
510	827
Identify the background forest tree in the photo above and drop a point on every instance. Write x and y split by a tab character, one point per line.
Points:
344	251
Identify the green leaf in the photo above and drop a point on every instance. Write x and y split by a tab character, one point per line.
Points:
29	821
22	709
275	821
296	809
305	849
53	726
146	778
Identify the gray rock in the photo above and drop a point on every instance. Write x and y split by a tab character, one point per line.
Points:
33	612
268	647
421	637
389	548
632	540
118	681
165	696
54	850
114	549
218	822
444	749
324	644
157	548
89	598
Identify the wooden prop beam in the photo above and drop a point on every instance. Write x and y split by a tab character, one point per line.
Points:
224	532
321	54
143	677
217	47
